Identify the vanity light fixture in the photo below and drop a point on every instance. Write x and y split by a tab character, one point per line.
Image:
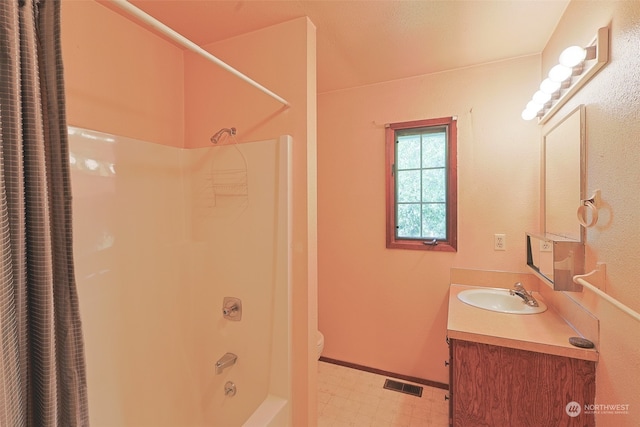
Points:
576	66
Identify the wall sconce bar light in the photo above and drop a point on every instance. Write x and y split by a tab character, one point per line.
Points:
576	66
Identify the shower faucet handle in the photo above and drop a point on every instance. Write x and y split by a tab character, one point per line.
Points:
230	311
232	308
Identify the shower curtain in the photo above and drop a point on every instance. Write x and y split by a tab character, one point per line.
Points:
42	372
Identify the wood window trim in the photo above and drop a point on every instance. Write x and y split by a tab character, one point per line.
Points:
451	244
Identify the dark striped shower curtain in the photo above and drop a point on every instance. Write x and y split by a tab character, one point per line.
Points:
42	372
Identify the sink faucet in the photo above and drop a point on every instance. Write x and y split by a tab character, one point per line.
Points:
225	361
527	297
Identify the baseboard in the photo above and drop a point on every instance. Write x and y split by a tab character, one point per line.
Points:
416	380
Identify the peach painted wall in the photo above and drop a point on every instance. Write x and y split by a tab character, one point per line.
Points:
612	100
119	77
387	309
125	80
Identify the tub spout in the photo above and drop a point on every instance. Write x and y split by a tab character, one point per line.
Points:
225	361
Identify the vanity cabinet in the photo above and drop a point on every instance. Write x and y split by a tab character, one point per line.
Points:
500	386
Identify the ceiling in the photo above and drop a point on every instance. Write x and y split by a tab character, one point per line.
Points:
362	42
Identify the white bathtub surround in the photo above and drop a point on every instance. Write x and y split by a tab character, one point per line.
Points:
155	256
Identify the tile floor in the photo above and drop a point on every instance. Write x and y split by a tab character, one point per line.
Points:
350	397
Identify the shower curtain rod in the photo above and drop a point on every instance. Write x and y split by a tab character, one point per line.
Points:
166	30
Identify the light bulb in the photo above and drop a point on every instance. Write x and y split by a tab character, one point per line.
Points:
549	86
534	106
541	97
572	56
560	73
529	114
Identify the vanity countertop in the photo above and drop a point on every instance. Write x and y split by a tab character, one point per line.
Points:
545	332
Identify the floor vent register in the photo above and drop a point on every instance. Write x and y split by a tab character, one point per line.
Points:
413	390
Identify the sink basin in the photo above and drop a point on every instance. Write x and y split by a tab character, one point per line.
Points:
497	299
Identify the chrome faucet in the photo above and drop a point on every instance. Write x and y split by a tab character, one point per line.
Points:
225	361
527	297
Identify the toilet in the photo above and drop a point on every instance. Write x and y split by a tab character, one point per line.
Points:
320	343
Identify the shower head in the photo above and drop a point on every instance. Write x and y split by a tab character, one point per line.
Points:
216	137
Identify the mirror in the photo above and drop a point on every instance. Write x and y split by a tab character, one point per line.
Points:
563	175
556	260
540	256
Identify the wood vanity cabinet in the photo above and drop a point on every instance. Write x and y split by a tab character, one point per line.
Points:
499	386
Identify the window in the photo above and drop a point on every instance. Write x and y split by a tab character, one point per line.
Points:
422	185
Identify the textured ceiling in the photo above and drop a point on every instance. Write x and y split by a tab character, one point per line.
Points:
370	41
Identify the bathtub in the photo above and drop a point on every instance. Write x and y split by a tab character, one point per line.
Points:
272	412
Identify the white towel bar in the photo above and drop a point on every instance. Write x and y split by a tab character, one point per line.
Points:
581	281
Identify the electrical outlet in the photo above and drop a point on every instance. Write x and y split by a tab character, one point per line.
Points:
499	242
545	246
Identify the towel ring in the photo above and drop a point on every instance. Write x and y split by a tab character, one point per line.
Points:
591	205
